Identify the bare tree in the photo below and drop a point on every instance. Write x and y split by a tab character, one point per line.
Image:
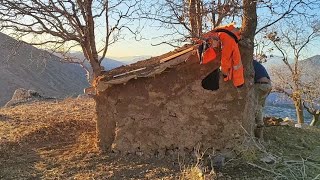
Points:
292	40
311	90
275	11
262	48
311	104
92	25
184	20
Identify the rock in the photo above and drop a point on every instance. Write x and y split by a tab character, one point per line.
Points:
218	161
24	96
33	93
272	121
20	94
268	159
284	123
228	154
84	96
287	122
302	126
3	117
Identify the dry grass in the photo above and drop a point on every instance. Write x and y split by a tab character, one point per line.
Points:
192	173
55	140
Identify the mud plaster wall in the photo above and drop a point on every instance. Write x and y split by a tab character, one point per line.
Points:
171	111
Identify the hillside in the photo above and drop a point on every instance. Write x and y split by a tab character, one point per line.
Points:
276	62
311	65
24	66
55	140
280	105
312	61
310	69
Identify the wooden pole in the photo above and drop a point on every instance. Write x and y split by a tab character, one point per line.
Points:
176	55
125	73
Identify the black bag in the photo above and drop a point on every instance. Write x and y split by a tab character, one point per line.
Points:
211	82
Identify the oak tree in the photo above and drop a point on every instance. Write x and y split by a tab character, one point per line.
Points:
92	25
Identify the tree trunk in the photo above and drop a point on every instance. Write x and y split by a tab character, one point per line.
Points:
299	110
193	18
315	120
96	69
199	17
249	25
93	60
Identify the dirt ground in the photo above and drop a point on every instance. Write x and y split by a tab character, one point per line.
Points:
49	140
55	140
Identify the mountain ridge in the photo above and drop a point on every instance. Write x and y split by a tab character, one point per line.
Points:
24	66
107	63
310	70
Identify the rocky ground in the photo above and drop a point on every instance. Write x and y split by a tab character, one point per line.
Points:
55	140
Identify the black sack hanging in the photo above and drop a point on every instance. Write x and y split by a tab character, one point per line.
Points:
211	82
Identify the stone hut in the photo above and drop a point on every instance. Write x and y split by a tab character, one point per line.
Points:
158	105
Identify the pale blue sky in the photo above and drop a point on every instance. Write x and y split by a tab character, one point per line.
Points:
130	47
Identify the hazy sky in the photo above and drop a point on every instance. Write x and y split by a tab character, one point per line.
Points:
130	47
134	48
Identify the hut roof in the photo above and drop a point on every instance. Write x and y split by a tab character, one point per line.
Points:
146	68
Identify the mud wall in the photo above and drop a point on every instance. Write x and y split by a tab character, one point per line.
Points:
172	111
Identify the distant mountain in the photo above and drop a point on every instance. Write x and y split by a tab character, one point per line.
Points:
131	59
24	66
107	63
273	62
312	63
276	62
278	99
310	67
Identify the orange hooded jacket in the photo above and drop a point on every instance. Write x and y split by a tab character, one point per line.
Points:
231	65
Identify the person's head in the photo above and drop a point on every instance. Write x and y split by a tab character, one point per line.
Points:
235	30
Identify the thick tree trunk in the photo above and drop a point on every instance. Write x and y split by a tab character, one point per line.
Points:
93	60
193	18
315	120
199	17
96	69
91	41
299	110
249	24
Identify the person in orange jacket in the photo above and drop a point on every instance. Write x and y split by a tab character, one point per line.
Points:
231	65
